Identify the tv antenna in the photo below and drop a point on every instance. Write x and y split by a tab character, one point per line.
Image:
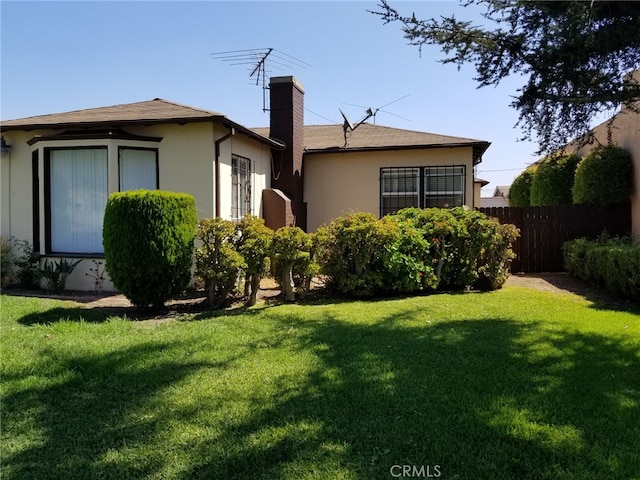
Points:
348	126
260	63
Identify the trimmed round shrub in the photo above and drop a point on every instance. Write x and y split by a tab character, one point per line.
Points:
148	244
604	177
553	181
520	191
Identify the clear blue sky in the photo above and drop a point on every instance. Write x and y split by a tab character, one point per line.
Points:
62	56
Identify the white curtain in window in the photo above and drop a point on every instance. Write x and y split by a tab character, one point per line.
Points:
138	169
78	198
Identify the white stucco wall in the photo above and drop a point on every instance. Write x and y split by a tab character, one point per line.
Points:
185	163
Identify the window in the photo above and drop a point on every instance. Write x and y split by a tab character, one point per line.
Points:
76	183
422	187
400	189
240	187
138	168
444	186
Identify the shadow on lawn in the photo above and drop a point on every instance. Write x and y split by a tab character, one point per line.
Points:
478	398
490	398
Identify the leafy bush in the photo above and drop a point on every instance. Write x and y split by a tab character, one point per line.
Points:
604	177
612	263
218	262
354	253
553	181
6	261
520	191
417	250
291	248
27	263
148	244
253	242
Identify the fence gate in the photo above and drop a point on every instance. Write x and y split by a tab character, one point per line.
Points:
543	230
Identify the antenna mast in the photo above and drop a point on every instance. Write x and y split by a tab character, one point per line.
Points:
260	62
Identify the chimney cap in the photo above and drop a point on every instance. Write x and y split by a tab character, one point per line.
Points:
288	79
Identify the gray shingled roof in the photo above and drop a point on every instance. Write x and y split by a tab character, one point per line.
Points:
330	138
149	112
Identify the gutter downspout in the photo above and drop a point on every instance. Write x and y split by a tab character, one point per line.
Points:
216	170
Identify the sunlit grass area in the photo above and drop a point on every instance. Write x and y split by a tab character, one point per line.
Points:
516	384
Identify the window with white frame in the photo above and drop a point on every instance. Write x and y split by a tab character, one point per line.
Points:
423	187
138	168
76	187
240	187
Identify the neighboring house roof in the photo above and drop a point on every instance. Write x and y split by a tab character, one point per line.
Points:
366	137
501	191
151	112
481	181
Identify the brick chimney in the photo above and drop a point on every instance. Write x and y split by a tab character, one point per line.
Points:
287	125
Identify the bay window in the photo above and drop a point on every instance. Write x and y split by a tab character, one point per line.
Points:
138	168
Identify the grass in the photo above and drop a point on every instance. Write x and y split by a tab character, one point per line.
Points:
516	384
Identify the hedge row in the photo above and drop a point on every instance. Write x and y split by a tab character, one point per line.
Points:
612	263
604	177
416	250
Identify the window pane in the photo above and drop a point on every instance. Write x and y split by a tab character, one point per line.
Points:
400	189
138	169
240	187
444	186
78	197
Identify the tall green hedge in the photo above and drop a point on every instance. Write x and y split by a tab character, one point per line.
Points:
604	177
148	244
520	191
553	181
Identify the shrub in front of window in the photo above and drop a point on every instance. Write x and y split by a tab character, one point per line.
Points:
148	244
56	273
520	191
253	242
553	181
218	263
27	264
604	177
354	253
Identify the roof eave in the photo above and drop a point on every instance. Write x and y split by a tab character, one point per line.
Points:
142	122
478	148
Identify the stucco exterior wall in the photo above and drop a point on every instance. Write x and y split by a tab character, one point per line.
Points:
338	183
185	164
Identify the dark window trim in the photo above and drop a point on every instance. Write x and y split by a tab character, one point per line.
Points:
250	172
47	198
156	150
421	183
35	199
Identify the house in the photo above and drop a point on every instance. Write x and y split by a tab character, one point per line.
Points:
500	198
58	169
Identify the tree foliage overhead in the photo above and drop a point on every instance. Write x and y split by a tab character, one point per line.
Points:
574	55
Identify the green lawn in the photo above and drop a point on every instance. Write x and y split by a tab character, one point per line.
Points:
514	384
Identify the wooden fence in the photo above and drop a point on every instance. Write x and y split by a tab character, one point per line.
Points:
543	231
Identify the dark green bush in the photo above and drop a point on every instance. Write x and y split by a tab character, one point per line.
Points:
611	263
553	181
604	177
520	191
148	244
